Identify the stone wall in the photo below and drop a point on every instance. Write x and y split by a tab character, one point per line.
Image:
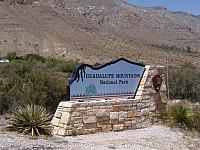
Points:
91	117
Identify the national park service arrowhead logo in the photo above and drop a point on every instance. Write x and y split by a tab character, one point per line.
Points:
157	82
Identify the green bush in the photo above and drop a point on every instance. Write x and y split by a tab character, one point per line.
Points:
32	120
11	56
68	66
28	80
34	57
64	66
183	83
41	87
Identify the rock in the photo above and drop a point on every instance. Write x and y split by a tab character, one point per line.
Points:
106	128
131	114
122	114
65	118
113	115
118	127
61	131
55	121
89	119
103	112
145	112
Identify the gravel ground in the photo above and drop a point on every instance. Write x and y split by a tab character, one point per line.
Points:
156	137
152	138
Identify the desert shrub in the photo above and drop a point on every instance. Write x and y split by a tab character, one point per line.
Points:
177	114
64	66
34	57
68	66
183	83
41	87
27	81
193	119
33	120
184	116
11	56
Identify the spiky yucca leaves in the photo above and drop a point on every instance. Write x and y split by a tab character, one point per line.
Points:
33	120
178	114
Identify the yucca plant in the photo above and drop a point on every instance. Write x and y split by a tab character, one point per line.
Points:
178	114
33	120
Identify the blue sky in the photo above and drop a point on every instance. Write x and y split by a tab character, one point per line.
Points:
189	6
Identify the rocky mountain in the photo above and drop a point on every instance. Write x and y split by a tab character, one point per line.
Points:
96	31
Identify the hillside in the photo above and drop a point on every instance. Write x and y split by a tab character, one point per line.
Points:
96	31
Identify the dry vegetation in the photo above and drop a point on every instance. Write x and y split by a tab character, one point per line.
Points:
96	31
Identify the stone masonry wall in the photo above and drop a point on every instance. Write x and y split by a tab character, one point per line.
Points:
91	117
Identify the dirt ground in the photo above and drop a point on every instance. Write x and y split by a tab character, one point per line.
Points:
155	137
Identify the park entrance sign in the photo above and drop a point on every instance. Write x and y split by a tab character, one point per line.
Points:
119	78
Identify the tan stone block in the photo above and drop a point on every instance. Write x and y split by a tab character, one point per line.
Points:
67	104
89	125
131	114
98	129
145	112
127	123
55	130
133	122
106	128
58	114
65	118
94	111
117	108
123	114
66	109
61	125
115	121
103	120
61	131
89	119
76	114
55	121
143	81
78	125
121	120
113	115
118	127
79	131
153	108
81	109
75	120
141	105
89	131
134	126
127	108
90	113
129	119
138	96
102	112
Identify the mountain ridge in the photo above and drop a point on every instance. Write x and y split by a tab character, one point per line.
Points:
96	31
